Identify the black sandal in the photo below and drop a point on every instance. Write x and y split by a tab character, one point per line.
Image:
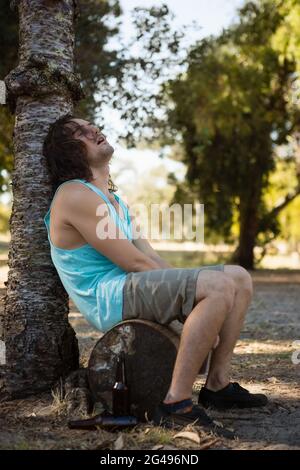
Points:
172	416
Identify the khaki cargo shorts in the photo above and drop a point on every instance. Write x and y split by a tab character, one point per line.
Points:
162	295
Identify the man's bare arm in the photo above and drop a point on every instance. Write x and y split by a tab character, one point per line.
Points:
81	205
144	246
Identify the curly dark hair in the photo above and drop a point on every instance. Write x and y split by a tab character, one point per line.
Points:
66	156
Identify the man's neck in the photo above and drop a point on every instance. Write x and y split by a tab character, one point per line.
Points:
100	179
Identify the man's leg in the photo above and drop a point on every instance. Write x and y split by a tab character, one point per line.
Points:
218	390
214	297
219	372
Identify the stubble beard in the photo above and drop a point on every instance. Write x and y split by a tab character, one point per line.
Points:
106	153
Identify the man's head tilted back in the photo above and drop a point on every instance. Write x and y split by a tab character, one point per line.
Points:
73	147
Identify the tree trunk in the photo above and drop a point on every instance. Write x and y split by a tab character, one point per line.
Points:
40	344
244	254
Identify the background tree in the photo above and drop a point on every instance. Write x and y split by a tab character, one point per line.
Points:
233	106
9	57
287	37
97	63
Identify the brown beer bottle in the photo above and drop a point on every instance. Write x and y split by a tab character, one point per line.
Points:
120	392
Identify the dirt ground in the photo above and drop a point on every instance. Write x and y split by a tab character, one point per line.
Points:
262	363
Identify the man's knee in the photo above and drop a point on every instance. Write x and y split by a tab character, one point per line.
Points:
216	284
228	290
241	277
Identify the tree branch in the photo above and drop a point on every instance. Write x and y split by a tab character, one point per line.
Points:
277	209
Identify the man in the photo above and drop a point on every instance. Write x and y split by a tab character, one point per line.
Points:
116	278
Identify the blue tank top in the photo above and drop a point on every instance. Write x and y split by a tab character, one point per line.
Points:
93	281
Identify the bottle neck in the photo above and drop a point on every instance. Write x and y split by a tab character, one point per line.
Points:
120	373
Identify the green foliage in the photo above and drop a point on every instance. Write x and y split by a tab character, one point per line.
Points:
153	54
232	107
9	57
287	37
4	218
97	64
8	38
288	219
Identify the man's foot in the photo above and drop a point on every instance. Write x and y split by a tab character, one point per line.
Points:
174	415
233	395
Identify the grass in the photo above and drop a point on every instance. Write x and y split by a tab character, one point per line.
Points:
60	400
147	436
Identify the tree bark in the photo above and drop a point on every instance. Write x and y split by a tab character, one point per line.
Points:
244	254
40	344
251	226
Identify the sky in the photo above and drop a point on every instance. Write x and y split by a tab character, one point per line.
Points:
211	16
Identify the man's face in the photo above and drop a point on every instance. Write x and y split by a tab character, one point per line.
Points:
99	151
